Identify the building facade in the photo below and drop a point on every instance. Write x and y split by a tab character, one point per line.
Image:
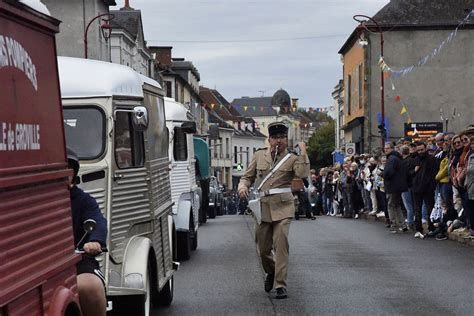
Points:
412	32
180	80
75	16
127	41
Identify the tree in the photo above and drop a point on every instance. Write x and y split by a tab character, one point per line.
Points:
321	145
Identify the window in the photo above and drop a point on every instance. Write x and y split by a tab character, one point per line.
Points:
235	154
180	145
85	131
227	155
128	143
169	89
240	152
176	91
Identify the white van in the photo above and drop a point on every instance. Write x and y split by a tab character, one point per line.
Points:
185	192
115	122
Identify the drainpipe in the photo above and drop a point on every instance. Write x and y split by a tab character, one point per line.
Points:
369	95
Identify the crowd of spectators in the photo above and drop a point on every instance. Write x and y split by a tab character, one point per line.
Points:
425	187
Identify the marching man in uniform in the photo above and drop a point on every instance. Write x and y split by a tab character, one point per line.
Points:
272	170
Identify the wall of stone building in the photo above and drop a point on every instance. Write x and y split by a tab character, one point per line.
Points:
445	82
75	15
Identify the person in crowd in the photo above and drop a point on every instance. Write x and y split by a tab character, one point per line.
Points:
322	176
469	185
90	280
447	218
381	196
337	204
356	195
304	205
329	192
395	182
438	143
318	188
314	194
371	186
442	177
424	185
407	162
459	174
347	184
362	183
277	206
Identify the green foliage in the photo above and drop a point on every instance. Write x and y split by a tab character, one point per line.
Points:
321	145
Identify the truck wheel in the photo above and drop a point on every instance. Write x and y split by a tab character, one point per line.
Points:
165	297
184	246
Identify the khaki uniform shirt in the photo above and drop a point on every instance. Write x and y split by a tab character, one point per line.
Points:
278	206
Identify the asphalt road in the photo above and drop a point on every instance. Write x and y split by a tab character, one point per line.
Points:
337	267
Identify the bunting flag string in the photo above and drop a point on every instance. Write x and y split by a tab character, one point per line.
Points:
261	108
402	72
398	99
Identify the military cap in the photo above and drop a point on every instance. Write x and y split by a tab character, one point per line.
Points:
277	128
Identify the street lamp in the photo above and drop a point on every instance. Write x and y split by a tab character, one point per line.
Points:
105	28
362	19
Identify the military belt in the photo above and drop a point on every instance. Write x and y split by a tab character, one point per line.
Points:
274	191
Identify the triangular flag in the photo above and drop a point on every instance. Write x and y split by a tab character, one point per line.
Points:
404	109
245	108
254	108
212	106
262	108
397	98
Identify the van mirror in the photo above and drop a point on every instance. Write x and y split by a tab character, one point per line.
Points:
140	118
189	127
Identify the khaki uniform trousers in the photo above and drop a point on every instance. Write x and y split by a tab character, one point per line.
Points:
274	236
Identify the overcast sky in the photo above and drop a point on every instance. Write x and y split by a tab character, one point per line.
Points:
236	44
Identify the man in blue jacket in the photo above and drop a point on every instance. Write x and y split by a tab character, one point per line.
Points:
90	280
395	177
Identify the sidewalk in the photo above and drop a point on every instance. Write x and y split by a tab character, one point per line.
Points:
451	236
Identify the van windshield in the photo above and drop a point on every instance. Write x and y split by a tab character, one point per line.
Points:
85	131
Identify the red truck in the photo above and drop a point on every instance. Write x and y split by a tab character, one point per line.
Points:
37	259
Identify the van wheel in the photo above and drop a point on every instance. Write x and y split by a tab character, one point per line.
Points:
165	296
139	305
195	241
220	211
212	211
184	246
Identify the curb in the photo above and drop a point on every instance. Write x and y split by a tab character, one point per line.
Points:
454	236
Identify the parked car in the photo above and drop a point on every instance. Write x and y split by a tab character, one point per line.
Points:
216	197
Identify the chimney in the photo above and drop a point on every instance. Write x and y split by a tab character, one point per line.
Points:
163	55
126	6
